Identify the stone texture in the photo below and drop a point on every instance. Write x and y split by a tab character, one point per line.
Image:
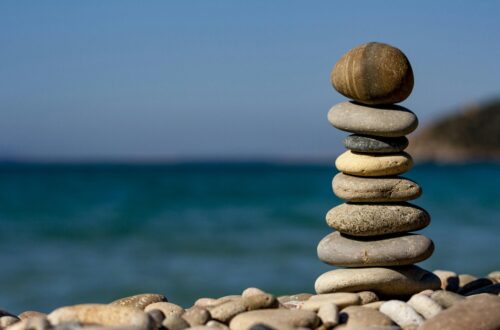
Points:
196	316
166	308
358	316
367	297
374	189
139	301
294	301
386	121
329	315
27	314
373	73
260	301
175	322
424	305
339	250
275	318
446	298
479	312
32	323
340	299
377	219
369	165
449	280
406	280
226	311
401	313
375	144
107	315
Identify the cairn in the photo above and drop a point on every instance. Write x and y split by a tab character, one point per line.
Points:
372	236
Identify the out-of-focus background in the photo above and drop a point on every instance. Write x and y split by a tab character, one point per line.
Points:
183	148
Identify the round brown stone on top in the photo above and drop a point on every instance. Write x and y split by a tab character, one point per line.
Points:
373	73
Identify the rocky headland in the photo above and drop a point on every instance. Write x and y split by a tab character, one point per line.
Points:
471	134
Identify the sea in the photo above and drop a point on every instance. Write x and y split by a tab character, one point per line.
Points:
93	233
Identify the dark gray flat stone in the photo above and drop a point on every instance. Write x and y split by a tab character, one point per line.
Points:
374	144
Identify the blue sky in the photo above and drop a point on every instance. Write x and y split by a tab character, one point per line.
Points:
233	79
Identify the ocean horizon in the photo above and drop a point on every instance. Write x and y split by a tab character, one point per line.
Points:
95	232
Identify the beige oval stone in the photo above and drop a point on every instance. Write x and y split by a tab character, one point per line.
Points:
449	280
196	316
387	121
377	219
495	275
446	298
168	309
373	73
358	316
374	189
373	165
401	313
406	280
424	305
107	315
374	305
226	311
367	297
340	299
275	318
329	315
259	301
217	324
206	302
139	301
348	251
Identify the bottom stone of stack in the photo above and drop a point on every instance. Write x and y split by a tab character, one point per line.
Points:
394	281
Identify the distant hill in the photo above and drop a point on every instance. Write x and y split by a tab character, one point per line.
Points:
472	134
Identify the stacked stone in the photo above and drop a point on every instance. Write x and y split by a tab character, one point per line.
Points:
371	236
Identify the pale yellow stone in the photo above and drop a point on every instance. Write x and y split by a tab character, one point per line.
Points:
374	164
100	314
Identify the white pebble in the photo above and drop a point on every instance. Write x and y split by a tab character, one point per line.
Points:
401	313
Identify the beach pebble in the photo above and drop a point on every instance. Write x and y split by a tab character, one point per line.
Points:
377	219
495	276
401	313
8	320
464	279
203	327
373	73
329	315
251	292
259	301
196	316
32	323
175	322
405	280
294	301
339	250
340	299
474	285
139	301
480	312
157	316
275	318
427	292
217	324
373	165
226	311
387	121
375	144
424	305
446	298
206	302
449	280
358	316
367	297
374	305
27	314
365	189
107	315
492	288
166	308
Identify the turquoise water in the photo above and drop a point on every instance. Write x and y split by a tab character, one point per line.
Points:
93	233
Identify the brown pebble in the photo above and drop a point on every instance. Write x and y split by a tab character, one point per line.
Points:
341	299
259	301
367	297
27	314
275	318
175	322
358	316
166	308
139	301
480	312
373	73
226	311
196	316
